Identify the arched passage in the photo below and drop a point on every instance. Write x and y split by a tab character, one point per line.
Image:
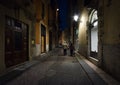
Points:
93	34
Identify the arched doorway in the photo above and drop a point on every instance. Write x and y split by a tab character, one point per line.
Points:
93	34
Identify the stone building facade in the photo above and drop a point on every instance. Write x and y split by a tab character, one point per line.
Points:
99	34
25	31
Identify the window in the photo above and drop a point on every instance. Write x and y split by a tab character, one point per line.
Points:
94	17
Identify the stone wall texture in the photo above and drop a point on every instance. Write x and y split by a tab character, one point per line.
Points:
111	60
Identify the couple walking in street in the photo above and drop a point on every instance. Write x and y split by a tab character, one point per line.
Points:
70	47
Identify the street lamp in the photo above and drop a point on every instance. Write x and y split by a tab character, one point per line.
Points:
57	9
74	28
76	18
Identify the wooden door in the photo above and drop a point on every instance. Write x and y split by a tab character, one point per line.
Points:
8	47
16	43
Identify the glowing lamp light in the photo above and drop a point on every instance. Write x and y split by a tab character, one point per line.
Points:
57	9
76	17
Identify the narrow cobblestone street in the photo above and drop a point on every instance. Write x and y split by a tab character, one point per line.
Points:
56	70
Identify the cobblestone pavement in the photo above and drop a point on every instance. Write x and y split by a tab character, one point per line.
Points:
56	70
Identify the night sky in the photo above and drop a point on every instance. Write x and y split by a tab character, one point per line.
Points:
63	14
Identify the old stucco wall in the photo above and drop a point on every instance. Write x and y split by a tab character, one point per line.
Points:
82	32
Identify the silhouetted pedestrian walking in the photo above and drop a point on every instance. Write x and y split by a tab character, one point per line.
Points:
65	47
71	49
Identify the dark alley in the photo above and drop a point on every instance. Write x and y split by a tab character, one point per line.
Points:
59	42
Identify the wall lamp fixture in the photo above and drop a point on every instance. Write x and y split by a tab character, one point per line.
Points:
76	18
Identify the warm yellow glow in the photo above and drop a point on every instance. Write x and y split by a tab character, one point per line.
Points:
42	44
37	33
33	42
82	22
82	28
83	18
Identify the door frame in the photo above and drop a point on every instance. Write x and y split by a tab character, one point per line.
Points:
10	25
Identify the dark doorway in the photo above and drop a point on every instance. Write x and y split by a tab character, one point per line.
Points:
16	42
50	40
43	38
